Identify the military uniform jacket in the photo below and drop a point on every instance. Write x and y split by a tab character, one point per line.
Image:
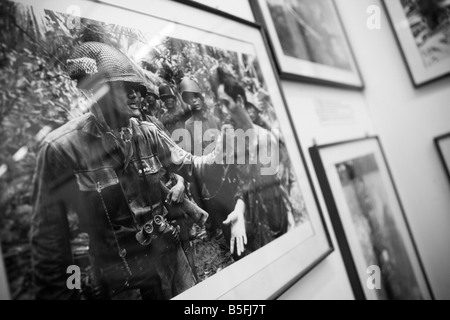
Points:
80	168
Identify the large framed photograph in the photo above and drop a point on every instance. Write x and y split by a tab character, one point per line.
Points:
442	144
379	253
422	29
309	41
100	101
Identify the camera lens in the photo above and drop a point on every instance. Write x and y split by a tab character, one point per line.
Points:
158	219
148	227
143	238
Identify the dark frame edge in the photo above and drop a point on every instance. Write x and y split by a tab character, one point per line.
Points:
397	195
405	218
306	79
402	51
315	81
255	6
218	12
294	280
307	171
441	154
333	213
350	47
442	136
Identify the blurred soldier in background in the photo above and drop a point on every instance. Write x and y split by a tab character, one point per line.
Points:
215	191
285	172
262	210
174	116
151	105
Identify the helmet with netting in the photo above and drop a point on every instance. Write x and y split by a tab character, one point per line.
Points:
96	62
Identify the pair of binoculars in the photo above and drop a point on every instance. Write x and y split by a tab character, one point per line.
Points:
154	228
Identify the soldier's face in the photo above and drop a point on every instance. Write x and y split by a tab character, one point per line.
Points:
169	102
226	104
225	99
124	99
152	104
151	100
194	100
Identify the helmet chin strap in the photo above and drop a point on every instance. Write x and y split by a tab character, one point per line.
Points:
97	112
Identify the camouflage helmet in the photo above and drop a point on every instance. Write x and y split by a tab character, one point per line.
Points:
188	85
96	62
166	91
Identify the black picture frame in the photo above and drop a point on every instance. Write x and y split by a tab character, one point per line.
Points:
421	69
444	151
211	9
343	170
306	70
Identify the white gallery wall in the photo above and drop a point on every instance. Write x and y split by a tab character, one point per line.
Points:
405	118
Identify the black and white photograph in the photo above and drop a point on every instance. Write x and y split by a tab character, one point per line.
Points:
309	40
423	31
150	161
370	215
204	153
376	229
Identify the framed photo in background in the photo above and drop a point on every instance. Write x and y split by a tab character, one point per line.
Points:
165	45
379	252
443	147
309	41
226	8
422	29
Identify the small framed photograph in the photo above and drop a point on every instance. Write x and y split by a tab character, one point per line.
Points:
175	48
422	29
309	41
443	147
378	249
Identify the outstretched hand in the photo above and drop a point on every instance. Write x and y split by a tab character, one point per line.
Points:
238	232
